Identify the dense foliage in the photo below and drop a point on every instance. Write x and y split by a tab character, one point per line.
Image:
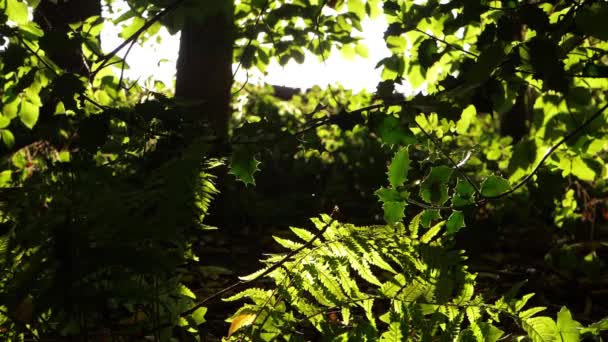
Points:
114	195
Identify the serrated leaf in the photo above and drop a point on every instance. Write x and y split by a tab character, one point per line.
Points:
494	186
567	327
463	194
540	329
399	168
428	216
388	195
434	188
243	165
393	211
455	222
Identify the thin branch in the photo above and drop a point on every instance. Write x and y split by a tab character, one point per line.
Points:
257	21
104	60
453	46
445	154
548	153
124	64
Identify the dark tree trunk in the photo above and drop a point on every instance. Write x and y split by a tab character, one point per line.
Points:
204	70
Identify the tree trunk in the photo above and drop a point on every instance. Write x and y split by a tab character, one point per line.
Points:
204	70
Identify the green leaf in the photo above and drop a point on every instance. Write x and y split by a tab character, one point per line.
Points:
16	11
8	138
399	168
540	329
28	113
362	50
455	222
591	20
434	188
4	121
243	165
393	204
490	332
393	211
567	327
463	194
431	233
388	195
429	216
494	186
581	170
468	116
198	316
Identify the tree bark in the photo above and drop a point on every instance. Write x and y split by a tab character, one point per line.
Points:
204	70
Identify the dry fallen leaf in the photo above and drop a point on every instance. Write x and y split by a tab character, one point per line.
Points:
243	319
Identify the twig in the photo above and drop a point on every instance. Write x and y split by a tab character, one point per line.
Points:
453	46
124	64
257	20
445	154
104	60
548	153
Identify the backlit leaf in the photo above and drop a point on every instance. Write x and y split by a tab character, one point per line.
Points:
399	168
243	165
494	186
434	188
455	222
28	113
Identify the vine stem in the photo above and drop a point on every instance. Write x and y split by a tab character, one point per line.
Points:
550	151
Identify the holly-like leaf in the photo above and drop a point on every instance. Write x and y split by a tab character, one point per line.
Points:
399	168
434	188
243	165
388	195
455	222
494	186
393	203
429	216
393	211
463	194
